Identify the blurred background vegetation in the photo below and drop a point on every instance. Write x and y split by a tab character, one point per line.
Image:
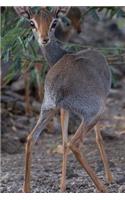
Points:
21	55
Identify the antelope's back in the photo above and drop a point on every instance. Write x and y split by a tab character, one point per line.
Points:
99	66
84	72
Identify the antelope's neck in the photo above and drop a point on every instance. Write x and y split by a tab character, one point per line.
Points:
53	52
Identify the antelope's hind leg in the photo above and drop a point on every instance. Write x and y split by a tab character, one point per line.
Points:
74	146
64	126
101	148
45	116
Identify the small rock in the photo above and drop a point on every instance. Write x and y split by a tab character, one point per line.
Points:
10	145
18	85
109	135
115	94
121	180
121	189
5	178
59	150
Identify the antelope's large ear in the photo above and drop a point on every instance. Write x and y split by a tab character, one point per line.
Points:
58	10
23	11
54	11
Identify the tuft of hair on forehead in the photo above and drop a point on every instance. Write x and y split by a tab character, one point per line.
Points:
43	19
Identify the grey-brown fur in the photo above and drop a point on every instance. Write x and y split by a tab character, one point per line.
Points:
53	52
78	82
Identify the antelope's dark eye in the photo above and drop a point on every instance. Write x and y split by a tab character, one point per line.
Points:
32	24
53	25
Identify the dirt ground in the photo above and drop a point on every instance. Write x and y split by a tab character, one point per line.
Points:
46	161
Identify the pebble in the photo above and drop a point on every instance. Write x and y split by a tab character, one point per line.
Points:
121	189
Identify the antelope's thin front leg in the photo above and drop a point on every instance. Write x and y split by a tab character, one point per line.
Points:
45	116
64	126
99	142
74	146
28	152
26	185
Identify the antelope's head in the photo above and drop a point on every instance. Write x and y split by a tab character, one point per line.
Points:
40	23
40	26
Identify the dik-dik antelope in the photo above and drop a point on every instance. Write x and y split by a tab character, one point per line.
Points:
77	82
69	26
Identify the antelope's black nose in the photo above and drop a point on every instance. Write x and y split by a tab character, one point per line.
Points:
45	40
79	31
